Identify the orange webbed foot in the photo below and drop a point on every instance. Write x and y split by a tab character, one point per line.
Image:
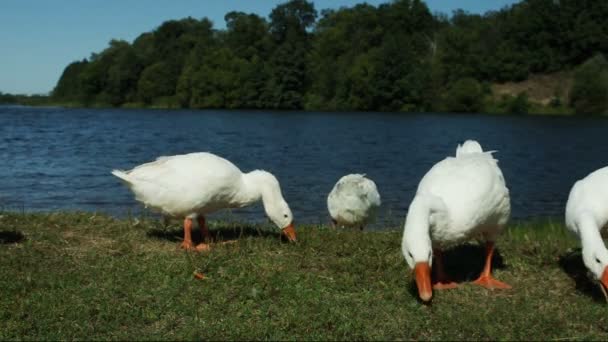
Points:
187	245
491	283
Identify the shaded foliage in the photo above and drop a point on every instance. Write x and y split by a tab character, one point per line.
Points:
70	82
21	99
519	104
465	95
393	57
7	98
590	89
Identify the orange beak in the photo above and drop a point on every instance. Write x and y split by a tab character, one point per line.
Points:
290	233
423	281
604	280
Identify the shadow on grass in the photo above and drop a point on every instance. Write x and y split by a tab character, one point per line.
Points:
464	263
222	234
10	236
572	264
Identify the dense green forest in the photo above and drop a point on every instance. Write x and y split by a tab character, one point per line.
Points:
397	56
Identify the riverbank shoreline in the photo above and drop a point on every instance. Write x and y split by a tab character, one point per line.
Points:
85	275
535	109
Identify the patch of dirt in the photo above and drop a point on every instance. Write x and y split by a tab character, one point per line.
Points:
79	241
540	88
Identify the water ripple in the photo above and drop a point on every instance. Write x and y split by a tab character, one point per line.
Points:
60	159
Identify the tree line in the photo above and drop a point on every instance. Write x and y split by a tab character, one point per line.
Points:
397	56
31	100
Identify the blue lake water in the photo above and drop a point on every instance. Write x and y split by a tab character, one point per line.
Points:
60	159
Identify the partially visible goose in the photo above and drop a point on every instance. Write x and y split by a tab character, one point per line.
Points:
353	201
459	198
193	185
587	217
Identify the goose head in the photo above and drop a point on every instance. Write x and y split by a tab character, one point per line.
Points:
418	252
595	258
266	185
595	254
416	245
279	213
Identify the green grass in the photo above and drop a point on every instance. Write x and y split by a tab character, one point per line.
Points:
85	276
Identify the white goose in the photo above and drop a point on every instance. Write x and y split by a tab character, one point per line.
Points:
353	201
459	198
587	216
195	184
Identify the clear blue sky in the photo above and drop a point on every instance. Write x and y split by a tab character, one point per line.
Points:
38	38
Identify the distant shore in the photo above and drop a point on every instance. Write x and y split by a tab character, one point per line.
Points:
533	96
494	108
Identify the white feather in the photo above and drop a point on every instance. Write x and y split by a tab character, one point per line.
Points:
201	183
587	218
353	201
459	198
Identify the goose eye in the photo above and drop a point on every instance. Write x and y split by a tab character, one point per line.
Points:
597	260
410	254
285	216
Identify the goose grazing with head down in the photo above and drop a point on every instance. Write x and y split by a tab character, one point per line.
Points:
193	185
353	201
587	216
459	198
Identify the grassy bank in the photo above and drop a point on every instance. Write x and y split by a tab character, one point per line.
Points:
85	276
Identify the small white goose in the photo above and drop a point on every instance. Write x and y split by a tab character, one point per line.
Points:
459	198
193	185
353	201
587	217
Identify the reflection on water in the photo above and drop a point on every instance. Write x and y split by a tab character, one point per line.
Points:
55	158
